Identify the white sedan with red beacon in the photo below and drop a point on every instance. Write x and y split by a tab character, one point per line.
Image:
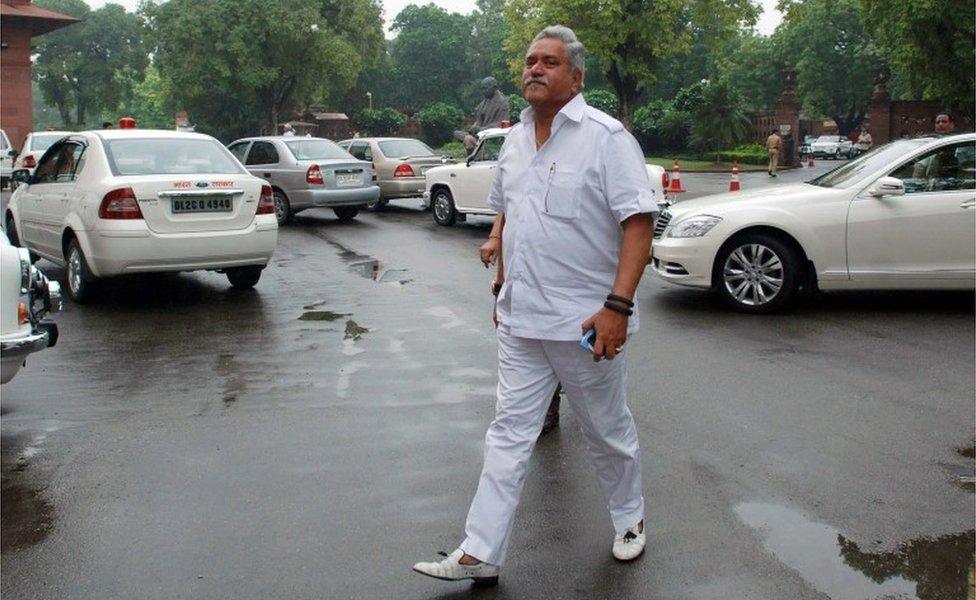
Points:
112	202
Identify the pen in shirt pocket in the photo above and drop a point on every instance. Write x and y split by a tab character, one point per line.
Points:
552	171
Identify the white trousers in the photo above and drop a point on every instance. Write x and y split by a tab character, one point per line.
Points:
528	372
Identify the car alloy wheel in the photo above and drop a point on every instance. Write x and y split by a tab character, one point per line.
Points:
282	207
443	207
80	279
753	274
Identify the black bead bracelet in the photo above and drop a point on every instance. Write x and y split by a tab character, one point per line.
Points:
621	299
618	308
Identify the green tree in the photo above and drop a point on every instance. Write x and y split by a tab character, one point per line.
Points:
631	37
835	60
239	66
386	121
429	55
91	66
148	103
752	65
439	120
929	45
485	50
719	121
604	100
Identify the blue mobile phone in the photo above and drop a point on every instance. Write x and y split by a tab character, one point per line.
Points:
589	338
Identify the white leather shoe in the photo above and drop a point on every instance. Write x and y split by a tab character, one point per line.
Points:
629	544
450	569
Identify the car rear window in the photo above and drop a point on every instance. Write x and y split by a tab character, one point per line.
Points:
168	156
316	150
404	148
44	141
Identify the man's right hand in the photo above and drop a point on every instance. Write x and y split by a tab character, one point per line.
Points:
489	251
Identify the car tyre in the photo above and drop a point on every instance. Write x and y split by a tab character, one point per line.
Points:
81	282
839	154
442	206
346	213
244	278
757	273
11	228
282	208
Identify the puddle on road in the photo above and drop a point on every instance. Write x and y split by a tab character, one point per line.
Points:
321	315
368	267
926	569
354	331
26	515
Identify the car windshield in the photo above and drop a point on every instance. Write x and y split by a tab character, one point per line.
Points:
316	150
874	160
43	141
168	156
404	148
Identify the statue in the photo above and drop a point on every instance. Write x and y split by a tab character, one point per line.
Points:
490	112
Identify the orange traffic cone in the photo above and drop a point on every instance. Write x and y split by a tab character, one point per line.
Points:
810	162
734	184
675	187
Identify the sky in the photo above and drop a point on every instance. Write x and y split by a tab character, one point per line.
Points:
768	21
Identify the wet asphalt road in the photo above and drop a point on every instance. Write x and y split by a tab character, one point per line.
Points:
314	438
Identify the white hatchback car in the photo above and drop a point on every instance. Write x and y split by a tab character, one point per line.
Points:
455	191
111	202
901	216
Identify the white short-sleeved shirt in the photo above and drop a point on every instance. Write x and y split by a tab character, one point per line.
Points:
563	207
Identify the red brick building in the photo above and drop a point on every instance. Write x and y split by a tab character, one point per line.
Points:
19	22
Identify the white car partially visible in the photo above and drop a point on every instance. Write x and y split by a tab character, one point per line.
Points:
455	191
111	202
7	153
901	216
26	297
35	145
831	146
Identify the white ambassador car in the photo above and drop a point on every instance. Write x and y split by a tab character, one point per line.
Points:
455	191
26	296
901	216
113	202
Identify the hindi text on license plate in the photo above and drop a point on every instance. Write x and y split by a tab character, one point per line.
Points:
197	205
349	178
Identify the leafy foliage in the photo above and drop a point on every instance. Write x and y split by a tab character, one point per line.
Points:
604	100
386	121
438	121
516	104
243	65
719	120
90	66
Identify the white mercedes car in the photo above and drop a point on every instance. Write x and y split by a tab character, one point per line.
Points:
118	201
901	216
831	146
455	191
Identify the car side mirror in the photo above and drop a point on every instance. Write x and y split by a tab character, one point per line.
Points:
888	186
11	153
21	176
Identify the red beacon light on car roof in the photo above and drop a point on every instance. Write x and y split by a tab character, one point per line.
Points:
127	123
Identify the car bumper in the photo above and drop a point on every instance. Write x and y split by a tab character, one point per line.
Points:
112	253
407	187
684	261
14	351
300	199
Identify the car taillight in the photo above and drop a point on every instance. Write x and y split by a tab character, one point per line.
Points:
314	175
665	180
120	204
403	170
29	162
266	203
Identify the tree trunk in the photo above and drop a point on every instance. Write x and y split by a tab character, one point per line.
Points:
850	122
627	89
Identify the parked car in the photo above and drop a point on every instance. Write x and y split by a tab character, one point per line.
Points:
831	146
902	216
805	147
455	191
110	202
35	145
26	297
400	164
7	154
308	172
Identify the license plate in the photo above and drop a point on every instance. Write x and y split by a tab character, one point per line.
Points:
203	205
345	179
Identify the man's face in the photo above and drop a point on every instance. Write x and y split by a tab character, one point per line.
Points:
548	77
944	124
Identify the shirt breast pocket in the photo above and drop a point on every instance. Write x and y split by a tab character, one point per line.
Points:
564	195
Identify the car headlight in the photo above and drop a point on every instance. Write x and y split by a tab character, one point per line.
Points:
694	227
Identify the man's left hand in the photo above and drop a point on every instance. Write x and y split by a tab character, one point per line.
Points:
611	333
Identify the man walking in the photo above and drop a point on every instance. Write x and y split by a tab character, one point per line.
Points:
574	217
773	143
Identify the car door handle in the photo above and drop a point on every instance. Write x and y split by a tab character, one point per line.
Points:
453	174
968	204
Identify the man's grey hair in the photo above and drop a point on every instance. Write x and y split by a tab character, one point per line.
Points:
574	47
